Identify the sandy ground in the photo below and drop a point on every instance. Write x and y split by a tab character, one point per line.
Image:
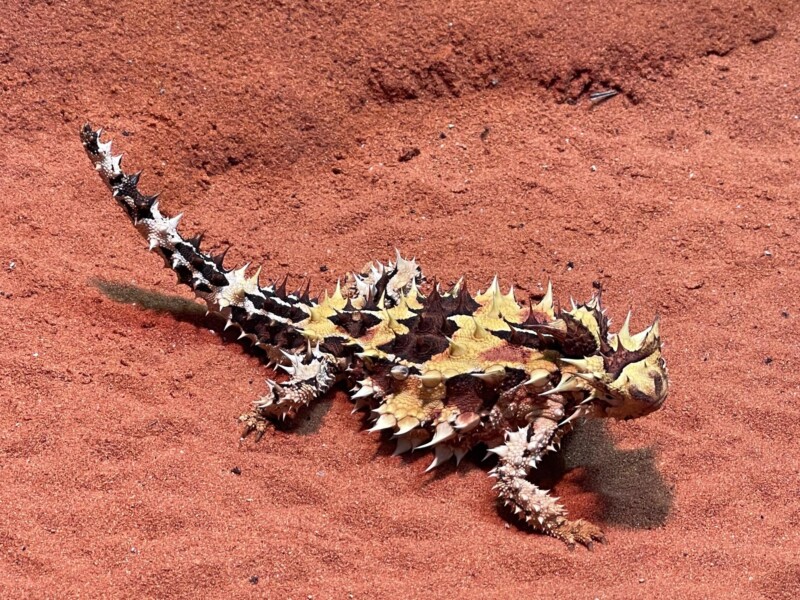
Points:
279	129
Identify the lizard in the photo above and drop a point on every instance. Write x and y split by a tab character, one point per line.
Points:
438	369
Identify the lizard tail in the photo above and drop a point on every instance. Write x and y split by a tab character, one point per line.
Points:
268	316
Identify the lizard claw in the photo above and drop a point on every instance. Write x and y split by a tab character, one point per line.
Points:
578	532
253	422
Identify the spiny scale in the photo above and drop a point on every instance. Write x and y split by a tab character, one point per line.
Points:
443	370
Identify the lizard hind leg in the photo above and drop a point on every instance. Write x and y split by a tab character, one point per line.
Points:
313	374
537	507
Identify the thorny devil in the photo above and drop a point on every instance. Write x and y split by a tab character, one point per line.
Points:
442	370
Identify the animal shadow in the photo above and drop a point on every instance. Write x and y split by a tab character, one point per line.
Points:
180	308
632	491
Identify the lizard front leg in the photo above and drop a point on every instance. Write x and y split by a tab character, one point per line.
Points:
522	450
313	374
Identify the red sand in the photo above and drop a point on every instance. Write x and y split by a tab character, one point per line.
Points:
279	129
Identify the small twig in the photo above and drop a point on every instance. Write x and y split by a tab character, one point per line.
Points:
598	97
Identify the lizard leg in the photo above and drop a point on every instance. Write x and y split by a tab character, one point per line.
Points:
543	512
313	374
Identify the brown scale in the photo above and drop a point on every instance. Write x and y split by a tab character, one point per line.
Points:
381	376
355	322
508	353
427	335
468	394
577	341
416	347
622	358
519	408
460	304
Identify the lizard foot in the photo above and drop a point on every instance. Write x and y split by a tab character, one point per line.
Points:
580	531
253	422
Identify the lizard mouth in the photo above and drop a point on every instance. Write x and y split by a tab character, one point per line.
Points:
631	405
639	389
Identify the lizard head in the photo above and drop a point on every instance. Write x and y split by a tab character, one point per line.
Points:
630	380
